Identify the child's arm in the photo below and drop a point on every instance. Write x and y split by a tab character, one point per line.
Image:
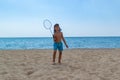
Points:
53	37
64	40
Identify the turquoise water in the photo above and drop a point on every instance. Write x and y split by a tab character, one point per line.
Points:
47	43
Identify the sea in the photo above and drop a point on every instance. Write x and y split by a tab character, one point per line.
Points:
47	43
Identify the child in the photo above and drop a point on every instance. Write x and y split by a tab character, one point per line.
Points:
58	37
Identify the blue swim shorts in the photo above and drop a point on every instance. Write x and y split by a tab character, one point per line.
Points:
58	46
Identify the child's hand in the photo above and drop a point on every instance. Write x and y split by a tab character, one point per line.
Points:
53	36
67	46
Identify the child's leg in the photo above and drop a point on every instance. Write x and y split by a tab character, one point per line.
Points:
54	56
60	57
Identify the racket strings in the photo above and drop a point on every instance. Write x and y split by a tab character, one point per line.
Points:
47	25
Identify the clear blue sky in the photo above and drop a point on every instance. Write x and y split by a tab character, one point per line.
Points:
24	18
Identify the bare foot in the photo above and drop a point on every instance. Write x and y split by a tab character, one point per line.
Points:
53	63
59	63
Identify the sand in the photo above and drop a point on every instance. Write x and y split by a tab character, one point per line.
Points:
77	64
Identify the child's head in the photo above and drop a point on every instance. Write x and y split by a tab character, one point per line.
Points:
56	28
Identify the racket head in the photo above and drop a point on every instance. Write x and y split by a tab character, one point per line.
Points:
47	24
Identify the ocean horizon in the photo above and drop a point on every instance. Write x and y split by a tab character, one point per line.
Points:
23	43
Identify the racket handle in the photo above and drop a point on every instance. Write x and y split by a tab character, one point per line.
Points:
51	31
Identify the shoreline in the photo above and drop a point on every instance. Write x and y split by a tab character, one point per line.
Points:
63	49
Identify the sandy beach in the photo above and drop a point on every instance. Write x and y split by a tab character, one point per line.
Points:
77	64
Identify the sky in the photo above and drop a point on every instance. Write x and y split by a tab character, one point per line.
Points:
24	18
